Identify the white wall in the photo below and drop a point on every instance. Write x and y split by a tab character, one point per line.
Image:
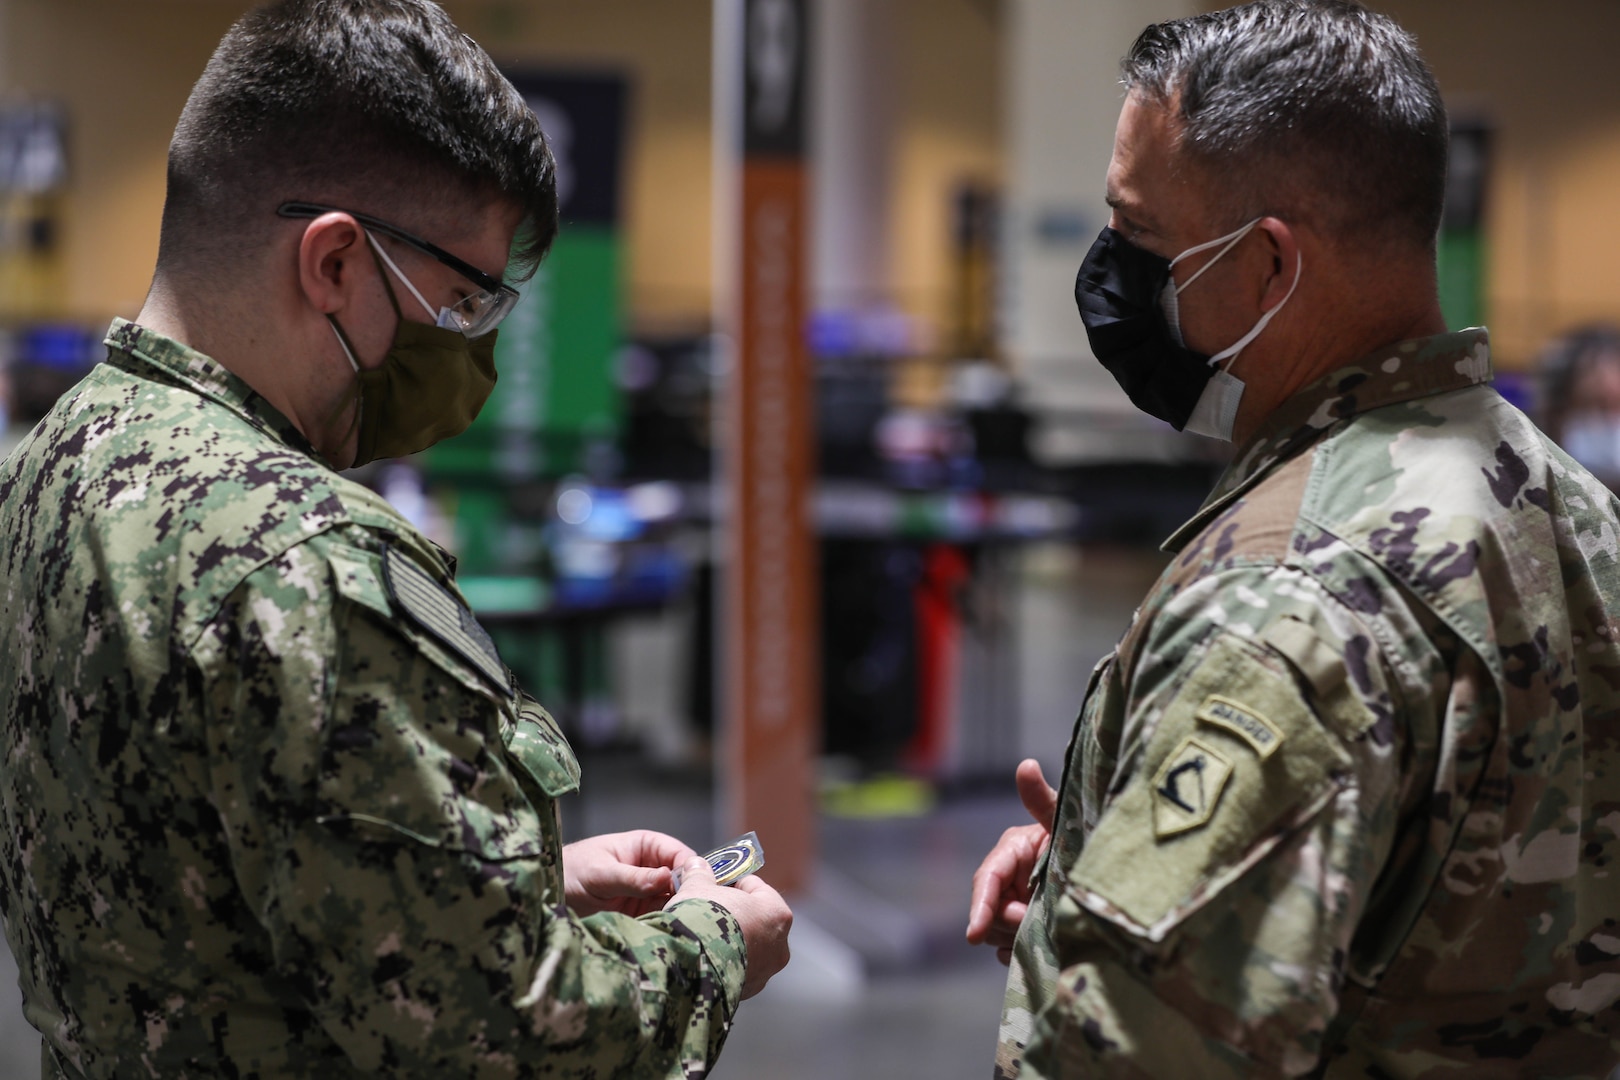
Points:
1063	97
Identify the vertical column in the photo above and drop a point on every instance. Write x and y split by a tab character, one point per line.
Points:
852	136
769	650
1064	95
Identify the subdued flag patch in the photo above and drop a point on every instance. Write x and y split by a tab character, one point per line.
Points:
1188	787
441	613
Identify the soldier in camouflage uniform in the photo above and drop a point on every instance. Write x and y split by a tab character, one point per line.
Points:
273	806
1342	801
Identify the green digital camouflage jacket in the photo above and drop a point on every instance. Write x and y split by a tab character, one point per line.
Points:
272	805
1346	796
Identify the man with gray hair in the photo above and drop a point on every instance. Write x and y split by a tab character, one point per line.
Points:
1344	799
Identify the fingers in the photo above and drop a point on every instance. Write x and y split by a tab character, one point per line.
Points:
658	849
1038	797
990	883
752	884
1001	885
981	911
612	880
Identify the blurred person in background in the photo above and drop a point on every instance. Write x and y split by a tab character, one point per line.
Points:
1580	397
272	804
1343	801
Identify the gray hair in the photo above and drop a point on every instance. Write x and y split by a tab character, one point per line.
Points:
1315	110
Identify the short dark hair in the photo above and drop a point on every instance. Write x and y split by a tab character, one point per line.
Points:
381	106
1315	109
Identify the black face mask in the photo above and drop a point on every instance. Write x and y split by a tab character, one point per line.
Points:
1117	292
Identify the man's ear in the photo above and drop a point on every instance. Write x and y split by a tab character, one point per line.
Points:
328	261
1282	249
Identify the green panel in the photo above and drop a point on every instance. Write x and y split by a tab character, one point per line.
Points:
556	392
1461	264
584	394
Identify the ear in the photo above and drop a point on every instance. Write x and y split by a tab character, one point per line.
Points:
328	266
1282	250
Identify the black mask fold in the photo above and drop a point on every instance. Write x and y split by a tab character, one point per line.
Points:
1117	292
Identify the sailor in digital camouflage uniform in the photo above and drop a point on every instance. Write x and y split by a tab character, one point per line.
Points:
1344	800
273	806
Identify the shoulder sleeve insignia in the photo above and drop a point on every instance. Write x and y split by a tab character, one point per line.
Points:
1188	787
442	613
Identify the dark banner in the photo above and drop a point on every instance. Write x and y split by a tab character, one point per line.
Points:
775	57
583	118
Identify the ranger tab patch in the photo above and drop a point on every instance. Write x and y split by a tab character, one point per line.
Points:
1188	787
1261	734
441	613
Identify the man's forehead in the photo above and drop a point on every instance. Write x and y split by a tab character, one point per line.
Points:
1148	180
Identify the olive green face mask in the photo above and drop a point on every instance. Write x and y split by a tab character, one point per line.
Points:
429	387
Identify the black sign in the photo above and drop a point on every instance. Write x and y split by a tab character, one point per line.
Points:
775	54
583	118
1468	175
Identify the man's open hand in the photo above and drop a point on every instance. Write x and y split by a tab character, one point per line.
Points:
1001	884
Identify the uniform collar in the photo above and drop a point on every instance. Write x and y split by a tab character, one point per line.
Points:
1400	372
185	365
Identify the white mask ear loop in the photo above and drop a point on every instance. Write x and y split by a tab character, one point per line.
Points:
419	298
1230	352
343	341
1230	240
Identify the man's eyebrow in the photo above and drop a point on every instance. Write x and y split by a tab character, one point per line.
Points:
1127	209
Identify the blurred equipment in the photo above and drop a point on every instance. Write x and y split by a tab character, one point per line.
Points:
33	174
1580	398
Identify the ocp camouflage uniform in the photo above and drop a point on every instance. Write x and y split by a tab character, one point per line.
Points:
272	805
1349	787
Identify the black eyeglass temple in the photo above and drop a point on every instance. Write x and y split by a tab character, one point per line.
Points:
461	266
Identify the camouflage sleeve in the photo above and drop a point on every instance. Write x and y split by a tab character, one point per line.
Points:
1204	928
404	861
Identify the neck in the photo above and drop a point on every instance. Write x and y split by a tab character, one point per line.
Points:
1347	321
222	329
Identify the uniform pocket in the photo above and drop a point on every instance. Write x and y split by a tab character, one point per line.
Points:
536	743
414	747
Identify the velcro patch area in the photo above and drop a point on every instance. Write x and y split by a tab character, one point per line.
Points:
1209	793
442	614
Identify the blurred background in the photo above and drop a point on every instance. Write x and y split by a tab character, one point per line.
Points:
800	501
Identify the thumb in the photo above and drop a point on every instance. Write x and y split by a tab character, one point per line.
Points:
695	873
1036	794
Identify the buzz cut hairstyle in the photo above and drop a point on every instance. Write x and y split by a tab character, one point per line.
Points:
377	106
1315	110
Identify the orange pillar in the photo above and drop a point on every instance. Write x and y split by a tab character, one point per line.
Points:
772	713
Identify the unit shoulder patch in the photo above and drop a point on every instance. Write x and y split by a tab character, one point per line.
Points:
442	613
1188	787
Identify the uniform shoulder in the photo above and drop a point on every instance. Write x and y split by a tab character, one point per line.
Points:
189	494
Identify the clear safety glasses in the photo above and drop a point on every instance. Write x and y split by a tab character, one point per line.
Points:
475	315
